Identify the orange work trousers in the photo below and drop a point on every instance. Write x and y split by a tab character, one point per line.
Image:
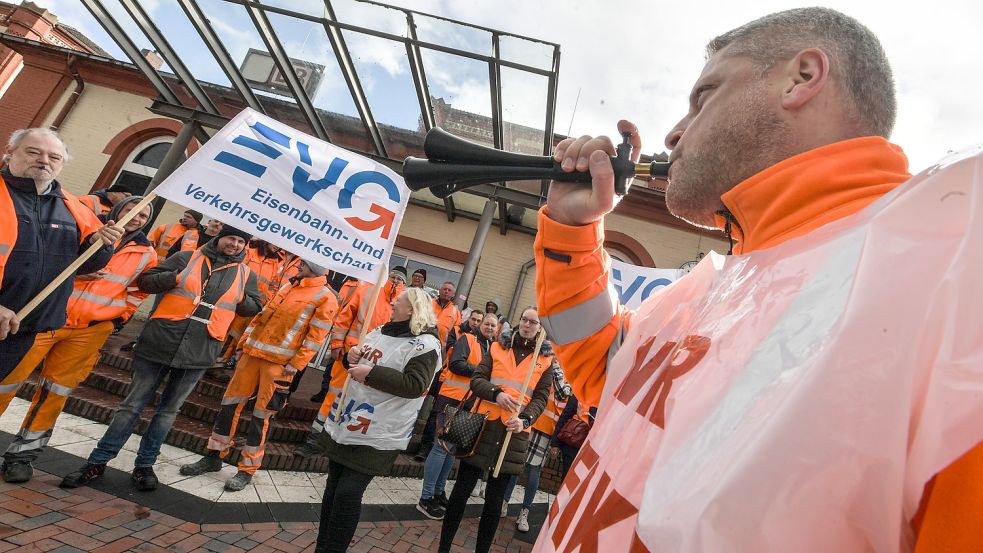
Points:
253	377
338	375
69	354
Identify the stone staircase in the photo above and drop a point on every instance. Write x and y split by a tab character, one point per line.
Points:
108	383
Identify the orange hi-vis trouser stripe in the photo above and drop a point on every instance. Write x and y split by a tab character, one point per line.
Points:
338	376
253	377
71	355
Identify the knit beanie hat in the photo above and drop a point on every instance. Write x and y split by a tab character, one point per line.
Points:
400	271
114	212
196	215
232	231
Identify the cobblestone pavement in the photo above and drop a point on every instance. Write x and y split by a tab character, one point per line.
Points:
40	516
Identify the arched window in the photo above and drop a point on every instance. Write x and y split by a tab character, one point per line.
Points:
142	163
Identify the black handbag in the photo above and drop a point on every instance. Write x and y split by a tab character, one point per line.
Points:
461	429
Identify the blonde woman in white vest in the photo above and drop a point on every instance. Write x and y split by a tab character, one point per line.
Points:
389	376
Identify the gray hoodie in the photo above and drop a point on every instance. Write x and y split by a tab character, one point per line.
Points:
186	344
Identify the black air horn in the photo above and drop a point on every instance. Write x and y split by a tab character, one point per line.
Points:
454	164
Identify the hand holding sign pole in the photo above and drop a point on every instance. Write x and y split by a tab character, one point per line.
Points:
522	393
70	270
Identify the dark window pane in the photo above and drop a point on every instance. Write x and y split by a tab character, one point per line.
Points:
153	156
136	182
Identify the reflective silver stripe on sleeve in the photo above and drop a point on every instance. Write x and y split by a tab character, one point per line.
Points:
4	249
10	388
320	324
582	320
298	324
311	345
113	277
100	300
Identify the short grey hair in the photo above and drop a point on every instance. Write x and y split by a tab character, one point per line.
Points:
18	136
858	59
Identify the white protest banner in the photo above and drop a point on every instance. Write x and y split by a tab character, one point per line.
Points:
326	204
634	284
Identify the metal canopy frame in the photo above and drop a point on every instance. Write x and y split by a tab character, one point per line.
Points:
199	105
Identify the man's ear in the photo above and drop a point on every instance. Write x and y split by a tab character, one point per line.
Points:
806	75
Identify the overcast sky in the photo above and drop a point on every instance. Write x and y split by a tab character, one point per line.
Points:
637	60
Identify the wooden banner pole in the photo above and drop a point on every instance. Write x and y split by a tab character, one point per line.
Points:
522	394
70	270
363	331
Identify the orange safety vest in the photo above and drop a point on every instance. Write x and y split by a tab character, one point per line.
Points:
165	236
448	317
189	242
348	324
454	386
267	271
84	218
546	423
94	203
114	296
297	319
183	300
509	376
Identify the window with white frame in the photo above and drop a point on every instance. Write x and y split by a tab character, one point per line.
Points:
142	163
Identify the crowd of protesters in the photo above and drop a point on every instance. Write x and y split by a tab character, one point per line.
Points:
227	302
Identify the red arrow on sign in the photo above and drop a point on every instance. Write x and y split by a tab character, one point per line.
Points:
363	425
384	221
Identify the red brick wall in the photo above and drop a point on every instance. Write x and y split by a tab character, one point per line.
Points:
29	99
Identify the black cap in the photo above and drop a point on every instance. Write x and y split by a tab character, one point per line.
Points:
122	187
196	215
232	231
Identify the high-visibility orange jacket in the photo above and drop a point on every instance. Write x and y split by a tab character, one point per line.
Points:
164	236
448	317
97	203
785	201
115	295
509	377
294	324
546	423
40	235
268	269
348	323
184	300
189	242
453	385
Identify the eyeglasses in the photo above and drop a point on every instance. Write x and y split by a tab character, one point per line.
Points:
528	321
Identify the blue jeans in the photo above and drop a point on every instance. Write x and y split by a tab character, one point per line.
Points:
147	377
435	470
532	484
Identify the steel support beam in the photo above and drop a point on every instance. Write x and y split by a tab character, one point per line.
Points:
282	61
183	113
221	55
550	115
172	160
129	48
174	61
474	255
347	67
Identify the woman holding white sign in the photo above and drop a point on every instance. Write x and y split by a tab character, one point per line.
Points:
389	376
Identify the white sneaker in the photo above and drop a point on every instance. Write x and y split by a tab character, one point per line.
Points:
478	490
522	522
505	509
